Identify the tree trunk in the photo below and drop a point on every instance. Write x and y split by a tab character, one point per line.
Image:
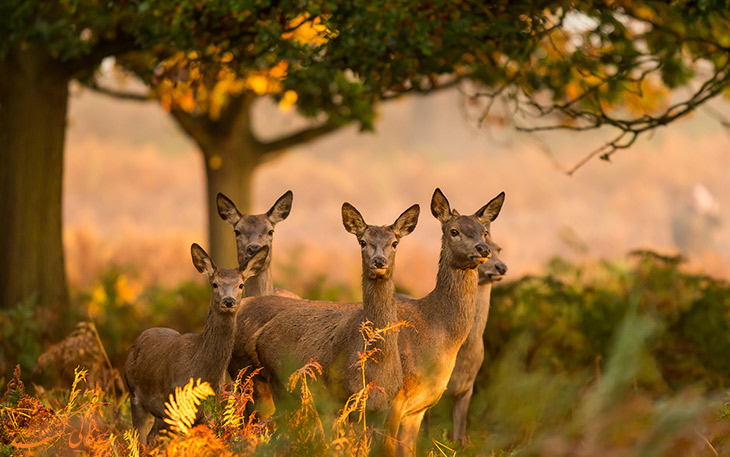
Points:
229	169
33	102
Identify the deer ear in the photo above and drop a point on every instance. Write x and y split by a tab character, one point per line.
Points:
281	209
406	222
255	264
227	209
440	207
490	211
201	260
353	220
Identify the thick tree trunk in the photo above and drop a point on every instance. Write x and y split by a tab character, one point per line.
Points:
33	101
229	169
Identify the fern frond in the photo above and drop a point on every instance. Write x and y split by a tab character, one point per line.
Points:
182	409
237	399
79	375
357	402
132	438
308	370
442	448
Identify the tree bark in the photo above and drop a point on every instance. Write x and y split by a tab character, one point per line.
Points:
33	103
229	168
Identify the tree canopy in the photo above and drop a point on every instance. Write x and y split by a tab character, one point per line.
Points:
630	65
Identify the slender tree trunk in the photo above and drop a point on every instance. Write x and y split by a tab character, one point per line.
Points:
229	169
33	102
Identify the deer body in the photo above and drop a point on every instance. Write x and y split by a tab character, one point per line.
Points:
443	319
471	354
162	359
293	330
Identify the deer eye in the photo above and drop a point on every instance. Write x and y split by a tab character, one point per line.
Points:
454	232
237	232
395	244
240	286
215	285
271	233
362	243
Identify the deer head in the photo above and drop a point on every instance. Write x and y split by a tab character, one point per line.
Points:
254	232
464	238
493	269
378	243
227	283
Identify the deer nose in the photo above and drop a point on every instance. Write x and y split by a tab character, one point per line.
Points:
501	268
229	302
379	262
483	250
252	249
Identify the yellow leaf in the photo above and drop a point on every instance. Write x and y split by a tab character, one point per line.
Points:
288	100
258	84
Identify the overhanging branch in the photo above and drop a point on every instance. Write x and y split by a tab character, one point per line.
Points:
272	149
118	93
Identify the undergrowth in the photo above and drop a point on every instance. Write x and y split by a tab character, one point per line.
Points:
621	358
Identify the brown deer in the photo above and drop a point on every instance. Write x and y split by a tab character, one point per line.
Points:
443	319
471	355
280	329
253	232
162	359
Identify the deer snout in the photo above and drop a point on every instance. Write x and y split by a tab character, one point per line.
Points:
252	249
379	261
483	250
501	268
228	302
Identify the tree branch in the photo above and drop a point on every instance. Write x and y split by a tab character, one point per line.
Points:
415	90
121	44
118	93
272	149
194	126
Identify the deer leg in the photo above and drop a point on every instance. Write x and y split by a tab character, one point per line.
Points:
393	423
264	398
461	408
409	434
158	426
140	418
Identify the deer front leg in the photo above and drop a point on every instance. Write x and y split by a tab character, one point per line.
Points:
461	409
393	423
409	434
140	418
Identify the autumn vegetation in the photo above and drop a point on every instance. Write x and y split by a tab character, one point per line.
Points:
624	357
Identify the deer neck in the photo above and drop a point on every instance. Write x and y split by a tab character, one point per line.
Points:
483	298
261	284
453	299
378	301
215	346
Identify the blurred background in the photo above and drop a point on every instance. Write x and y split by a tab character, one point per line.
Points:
134	192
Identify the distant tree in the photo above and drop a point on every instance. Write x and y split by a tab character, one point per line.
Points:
46	44
630	65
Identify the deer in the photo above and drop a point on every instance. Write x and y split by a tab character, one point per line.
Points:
274	330
471	355
253	232
443	319
162	358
